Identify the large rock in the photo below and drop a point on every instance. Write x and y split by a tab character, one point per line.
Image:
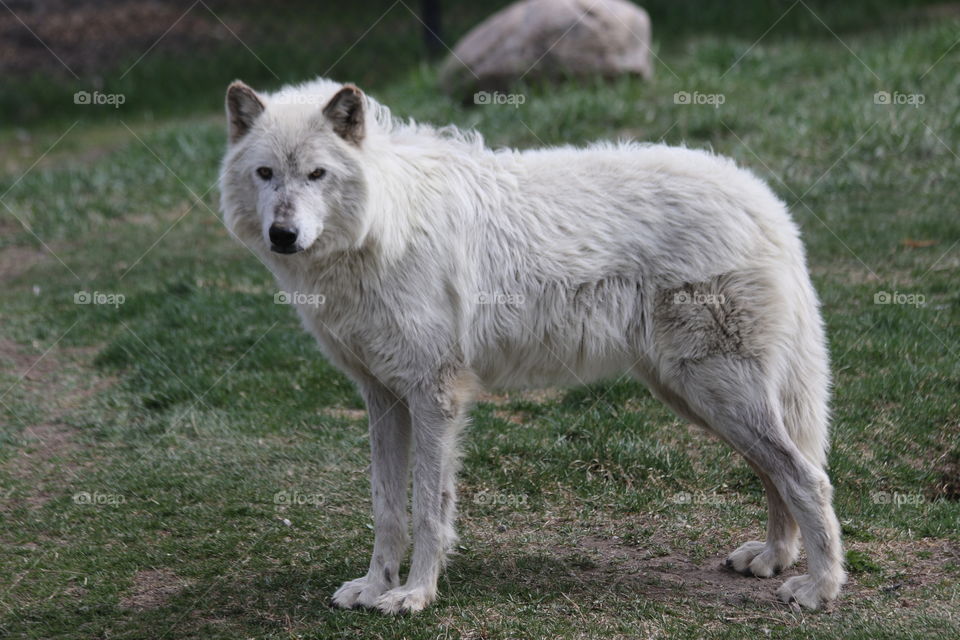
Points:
548	39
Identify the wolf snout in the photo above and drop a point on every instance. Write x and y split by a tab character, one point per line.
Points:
283	238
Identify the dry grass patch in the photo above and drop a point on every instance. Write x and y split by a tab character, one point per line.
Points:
152	588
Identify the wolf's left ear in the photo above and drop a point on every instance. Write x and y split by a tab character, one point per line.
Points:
345	112
243	108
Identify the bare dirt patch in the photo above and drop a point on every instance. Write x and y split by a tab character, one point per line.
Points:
664	572
911	564
152	588
42	444
500	401
940	11
59	377
58	381
15	261
44	463
23	362
679	560
90	36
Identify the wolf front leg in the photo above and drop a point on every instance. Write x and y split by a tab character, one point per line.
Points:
389	466
438	413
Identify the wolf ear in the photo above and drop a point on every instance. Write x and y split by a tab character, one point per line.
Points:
243	108
345	112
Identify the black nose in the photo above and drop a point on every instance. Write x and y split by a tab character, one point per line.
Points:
283	236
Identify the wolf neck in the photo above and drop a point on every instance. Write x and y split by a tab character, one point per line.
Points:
414	187
388	222
395	203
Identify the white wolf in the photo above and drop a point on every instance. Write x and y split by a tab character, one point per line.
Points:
445	266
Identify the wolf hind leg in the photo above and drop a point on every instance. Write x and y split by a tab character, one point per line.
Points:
782	546
730	394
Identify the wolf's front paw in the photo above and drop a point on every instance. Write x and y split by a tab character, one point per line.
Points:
361	592
405	600
758	559
807	592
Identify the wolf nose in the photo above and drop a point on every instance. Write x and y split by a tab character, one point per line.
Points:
283	236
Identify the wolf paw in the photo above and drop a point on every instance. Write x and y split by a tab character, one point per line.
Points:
361	592
807	592
405	600
757	559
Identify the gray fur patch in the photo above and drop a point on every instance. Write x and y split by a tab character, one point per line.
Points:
701	320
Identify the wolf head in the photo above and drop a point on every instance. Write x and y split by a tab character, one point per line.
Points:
292	177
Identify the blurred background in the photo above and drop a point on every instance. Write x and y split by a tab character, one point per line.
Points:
166	56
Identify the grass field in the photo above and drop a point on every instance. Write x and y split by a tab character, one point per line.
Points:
177	460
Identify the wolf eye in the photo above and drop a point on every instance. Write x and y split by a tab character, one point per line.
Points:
316	174
265	173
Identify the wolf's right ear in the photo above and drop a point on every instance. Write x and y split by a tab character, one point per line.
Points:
243	108
345	112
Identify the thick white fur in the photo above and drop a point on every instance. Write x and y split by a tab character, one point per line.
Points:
446	266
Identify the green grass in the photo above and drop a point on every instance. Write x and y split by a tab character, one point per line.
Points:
183	412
